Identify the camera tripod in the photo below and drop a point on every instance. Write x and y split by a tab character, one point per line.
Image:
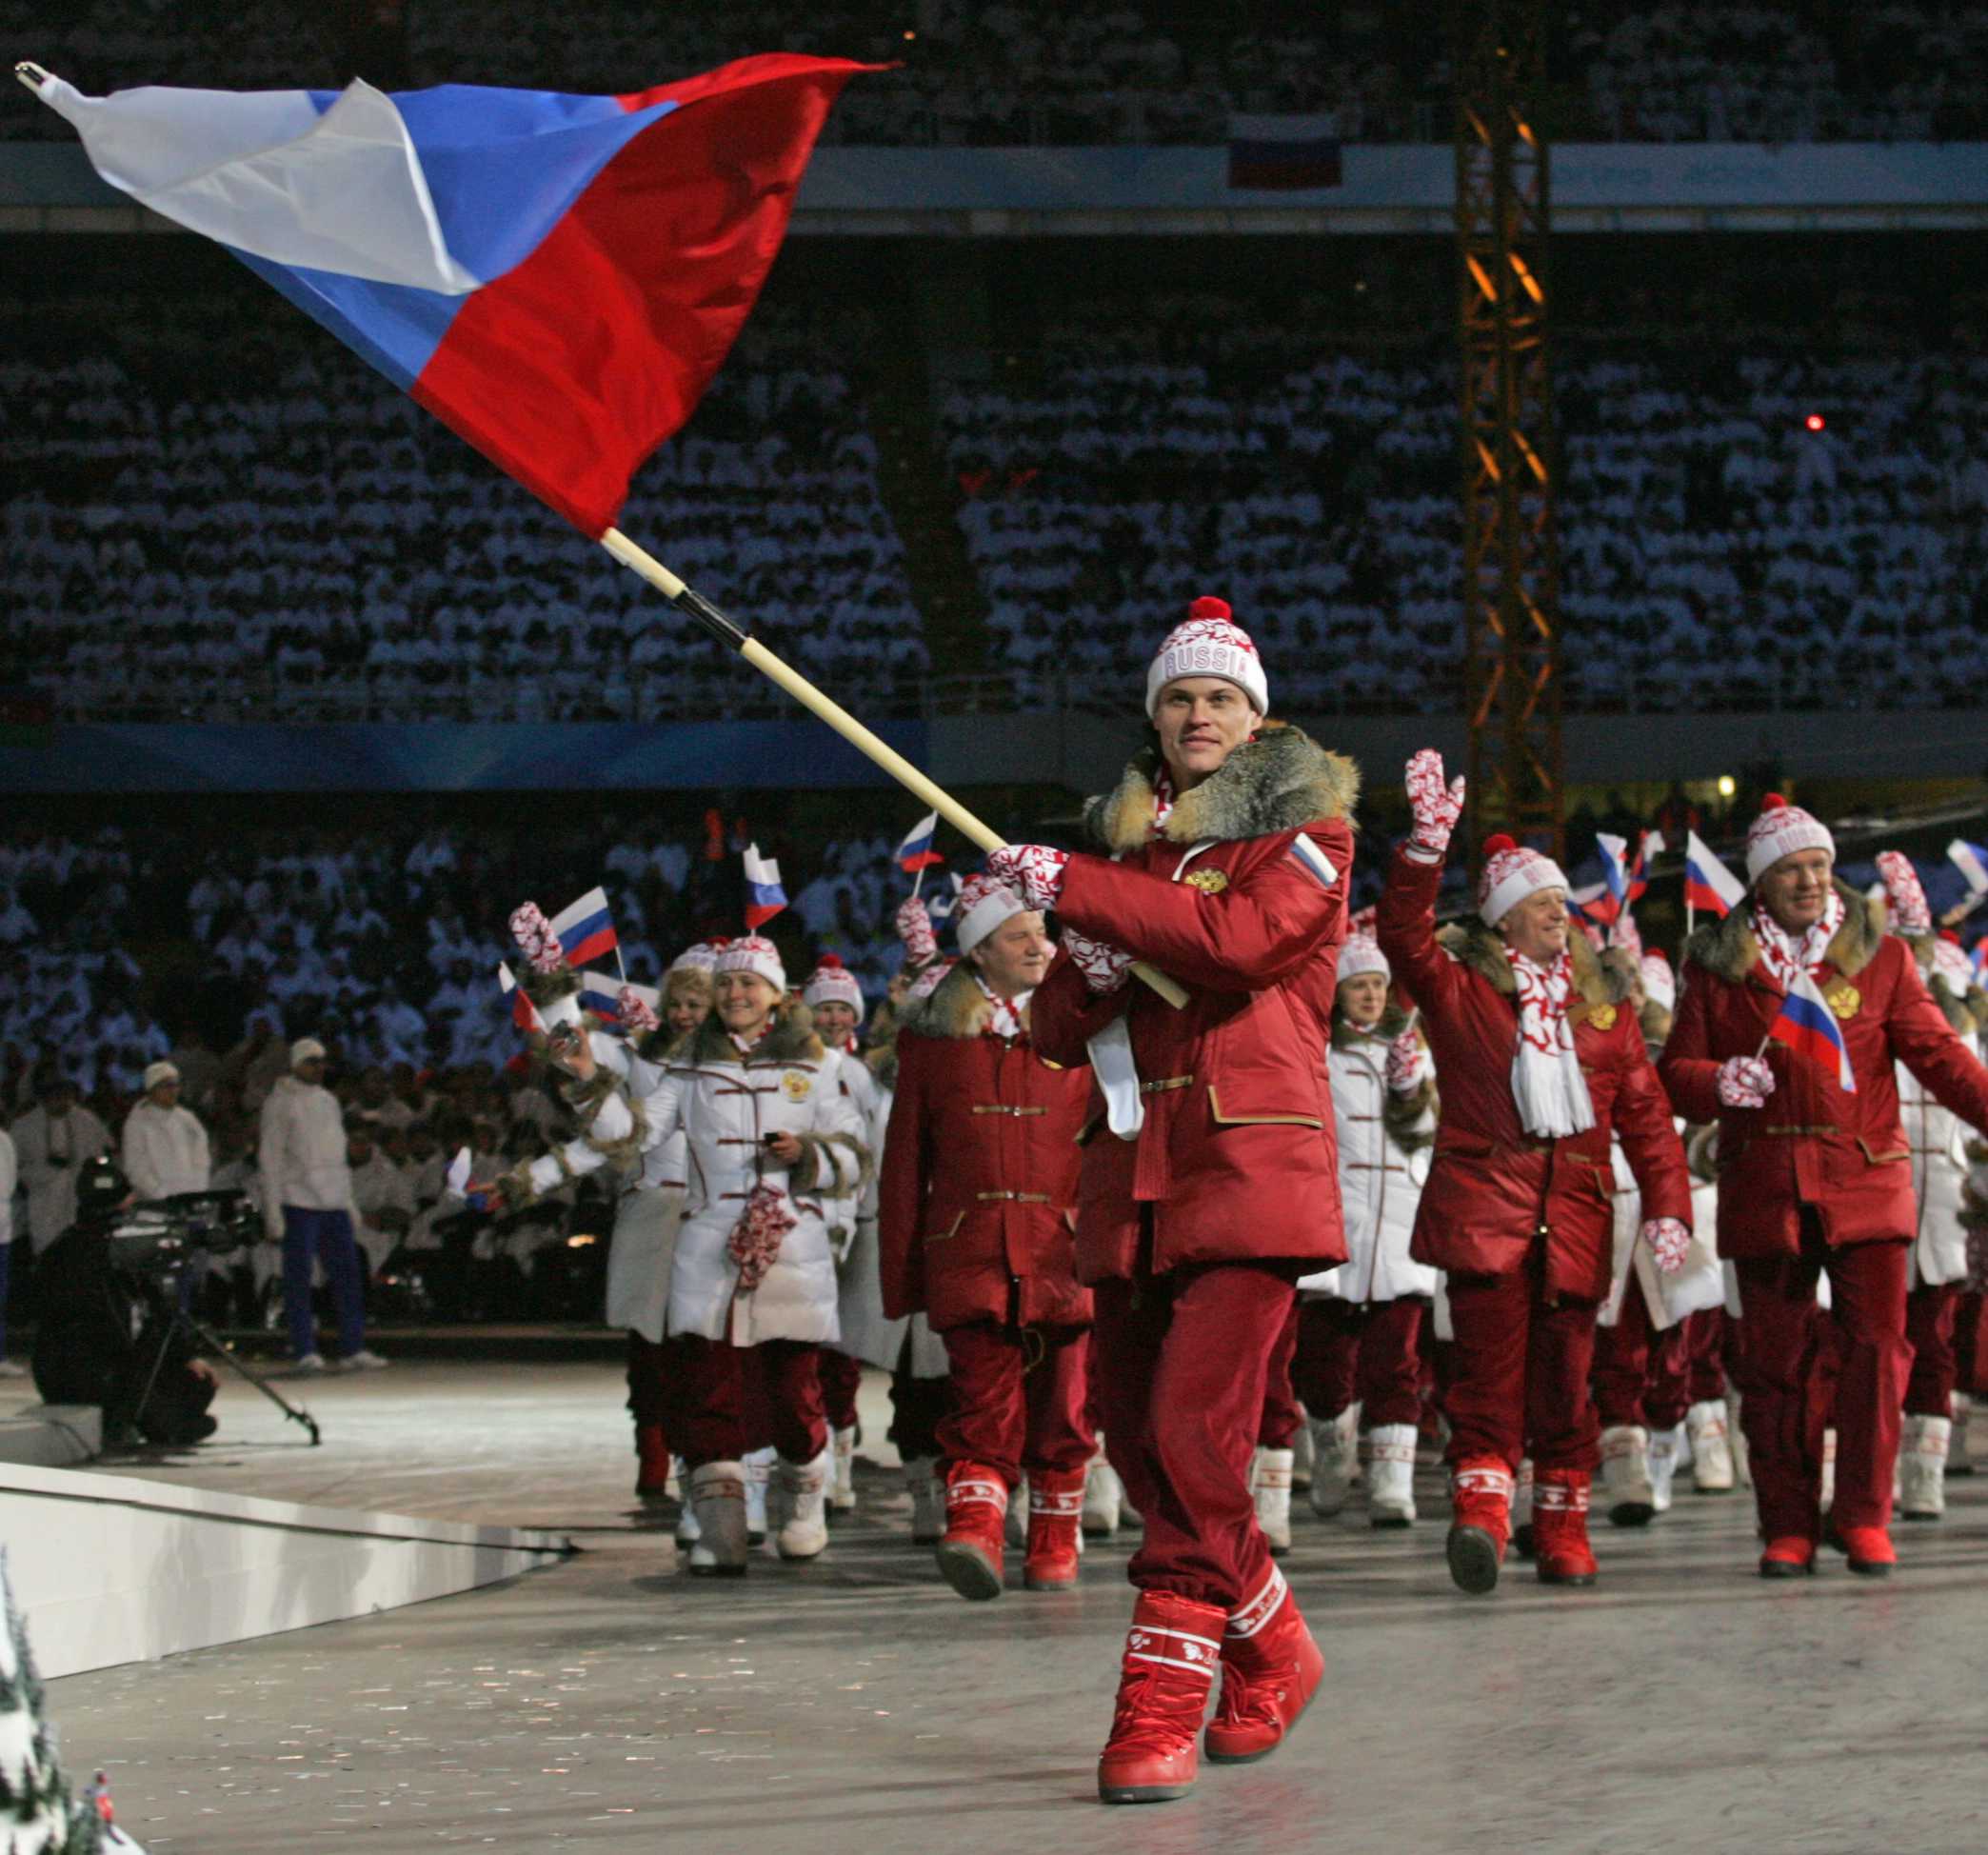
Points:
179	1322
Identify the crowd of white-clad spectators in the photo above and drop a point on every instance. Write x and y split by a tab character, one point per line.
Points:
1052	71
1715	549
296	537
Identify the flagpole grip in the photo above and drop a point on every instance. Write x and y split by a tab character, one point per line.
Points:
839	718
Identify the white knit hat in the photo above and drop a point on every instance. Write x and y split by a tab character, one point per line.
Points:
985	902
1510	874
157	1072
1360	953
832	983
1781	830
1659	983
1904	894
1209	645
753	953
701	956
304	1049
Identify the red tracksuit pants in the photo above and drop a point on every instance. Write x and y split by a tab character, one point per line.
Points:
1641	1376
1518	1374
1017	1399
1713	1340
842	1379
1929	1312
716	1412
1181	1360
1369	1354
1789	1401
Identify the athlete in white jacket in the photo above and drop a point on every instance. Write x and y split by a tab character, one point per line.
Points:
165	1146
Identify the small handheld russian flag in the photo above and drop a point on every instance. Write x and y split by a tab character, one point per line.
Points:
764	898
1971	862
1979	960
585	929
1708	884
942	905
524	1013
1808	1027
916	851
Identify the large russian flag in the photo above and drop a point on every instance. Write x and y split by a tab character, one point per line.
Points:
556	277
1808	1027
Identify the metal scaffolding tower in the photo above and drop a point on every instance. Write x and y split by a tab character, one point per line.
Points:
1511	547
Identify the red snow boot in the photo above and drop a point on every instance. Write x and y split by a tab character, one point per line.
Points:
976	1515
1270	1670
1055	1512
1559	1517
1869	1551
1171	1653
1481	1521
652	1463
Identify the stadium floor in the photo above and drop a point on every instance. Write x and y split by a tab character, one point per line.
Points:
857	1704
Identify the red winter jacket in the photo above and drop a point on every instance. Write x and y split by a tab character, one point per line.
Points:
976	1203
1495	1190
1845	1155
1242	898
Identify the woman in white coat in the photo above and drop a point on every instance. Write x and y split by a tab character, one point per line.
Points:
770	1136
1360	1325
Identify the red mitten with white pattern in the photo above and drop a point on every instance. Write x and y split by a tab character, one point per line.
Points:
1406	1064
1104	966
1036	870
1435	806
1669	1241
1744	1082
914	927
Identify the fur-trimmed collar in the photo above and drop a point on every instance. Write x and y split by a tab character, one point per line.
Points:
1729	950
1393	1022
955	1007
1279	782
792	1039
1471	943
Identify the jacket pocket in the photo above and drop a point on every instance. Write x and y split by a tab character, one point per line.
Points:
1891	1156
1248	1114
952	1229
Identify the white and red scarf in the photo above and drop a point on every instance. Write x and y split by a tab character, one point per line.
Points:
1784	956
1162	799
1007	1019
1547	1084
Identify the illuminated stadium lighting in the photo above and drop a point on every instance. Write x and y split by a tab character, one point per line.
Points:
1815	422
1727	785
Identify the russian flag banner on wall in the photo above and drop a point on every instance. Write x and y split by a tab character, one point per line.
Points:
555	277
764	898
1809	1028
1708	884
585	929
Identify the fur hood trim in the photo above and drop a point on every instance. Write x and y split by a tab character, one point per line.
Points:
1471	943
954	1008
1393	1022
792	1039
1729	950
1280	782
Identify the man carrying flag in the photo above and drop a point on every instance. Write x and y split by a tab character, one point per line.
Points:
1795	1008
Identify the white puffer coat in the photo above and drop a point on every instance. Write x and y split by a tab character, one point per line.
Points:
725	1105
1384	1150
643	1254
1938	1140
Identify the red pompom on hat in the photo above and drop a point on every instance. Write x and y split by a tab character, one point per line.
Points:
1207	606
1774	802
832	983
1781	830
1497	845
1952	935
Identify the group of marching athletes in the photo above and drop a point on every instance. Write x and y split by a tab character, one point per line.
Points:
1372	1189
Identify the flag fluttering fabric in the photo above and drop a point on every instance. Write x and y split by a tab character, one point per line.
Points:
524	1013
1809	1028
585	928
1708	884
1971	862
764	898
555	277
916	851
942	904
601	993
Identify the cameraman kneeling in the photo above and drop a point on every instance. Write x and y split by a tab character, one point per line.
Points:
87	1311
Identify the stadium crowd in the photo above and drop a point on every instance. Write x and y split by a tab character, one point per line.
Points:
1029	71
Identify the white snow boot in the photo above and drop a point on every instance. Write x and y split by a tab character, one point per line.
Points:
1625	1475
1103	1497
718	1494
1666	1448
1301	1456
1736	1438
1828	1499
1335	1454
799	1506
687	1511
1015	1528
1270	1479
927	1501
842	1483
1959	1460
1711	1447
759	1469
1523	1530
1391	1490
1922	1460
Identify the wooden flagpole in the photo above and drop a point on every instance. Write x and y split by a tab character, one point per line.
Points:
728	632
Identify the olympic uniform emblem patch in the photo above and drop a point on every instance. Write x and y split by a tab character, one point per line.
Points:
1211	882
1844	1000
797	1084
1602	1017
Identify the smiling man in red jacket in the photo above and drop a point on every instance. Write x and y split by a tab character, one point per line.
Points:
1210	1179
1539	1063
1813	1176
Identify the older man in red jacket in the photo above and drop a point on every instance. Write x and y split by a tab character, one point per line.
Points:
1211	1181
1813	1176
975	1207
1539	1063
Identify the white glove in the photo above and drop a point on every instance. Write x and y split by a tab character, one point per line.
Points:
1435	806
1744	1082
1104	966
1669	1241
1036	870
